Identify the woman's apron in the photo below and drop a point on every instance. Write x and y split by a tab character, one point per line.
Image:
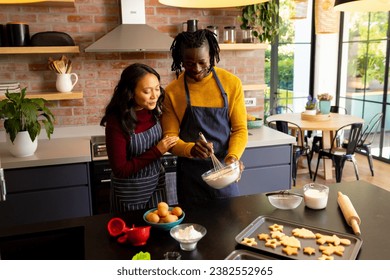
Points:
145	188
214	123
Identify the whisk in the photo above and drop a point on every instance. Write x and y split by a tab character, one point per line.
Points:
216	163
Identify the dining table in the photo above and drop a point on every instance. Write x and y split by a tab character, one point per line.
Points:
328	124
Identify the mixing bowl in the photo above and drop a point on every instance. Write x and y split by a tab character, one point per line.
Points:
284	200
223	177
188	235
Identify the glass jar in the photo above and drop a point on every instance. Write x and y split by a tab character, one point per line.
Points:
247	35
229	35
214	29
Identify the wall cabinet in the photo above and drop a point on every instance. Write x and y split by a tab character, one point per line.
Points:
48	193
267	168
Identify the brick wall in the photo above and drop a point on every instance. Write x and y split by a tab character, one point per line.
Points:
98	73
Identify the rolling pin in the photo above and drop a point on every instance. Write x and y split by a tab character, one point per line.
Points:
349	212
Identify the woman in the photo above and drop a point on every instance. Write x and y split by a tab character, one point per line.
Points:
133	139
206	99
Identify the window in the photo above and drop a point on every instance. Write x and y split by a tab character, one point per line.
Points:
364	60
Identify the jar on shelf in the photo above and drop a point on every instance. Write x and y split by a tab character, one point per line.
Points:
247	35
229	35
214	29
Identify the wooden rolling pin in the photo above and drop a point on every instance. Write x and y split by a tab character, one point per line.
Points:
349	212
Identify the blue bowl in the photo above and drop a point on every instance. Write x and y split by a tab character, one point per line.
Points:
163	226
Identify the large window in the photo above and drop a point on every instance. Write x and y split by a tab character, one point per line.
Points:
290	82
364	70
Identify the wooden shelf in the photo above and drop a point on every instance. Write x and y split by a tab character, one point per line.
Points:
48	3
39	50
54	95
242	47
254	87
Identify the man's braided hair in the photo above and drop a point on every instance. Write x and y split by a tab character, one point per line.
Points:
189	40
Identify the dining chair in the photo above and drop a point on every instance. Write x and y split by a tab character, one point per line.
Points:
300	149
317	139
367	137
340	155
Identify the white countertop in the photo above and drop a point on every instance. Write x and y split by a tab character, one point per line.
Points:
72	145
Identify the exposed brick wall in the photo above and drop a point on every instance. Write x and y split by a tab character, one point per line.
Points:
98	73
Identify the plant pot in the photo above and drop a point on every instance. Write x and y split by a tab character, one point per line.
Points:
325	106
22	145
311	112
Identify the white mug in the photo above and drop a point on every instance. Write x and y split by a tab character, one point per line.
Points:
64	82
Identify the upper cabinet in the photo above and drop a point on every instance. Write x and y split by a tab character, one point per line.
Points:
62	3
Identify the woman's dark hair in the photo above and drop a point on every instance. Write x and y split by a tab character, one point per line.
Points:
190	40
122	104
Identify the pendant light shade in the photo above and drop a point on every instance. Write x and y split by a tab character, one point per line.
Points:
362	5
209	3
327	20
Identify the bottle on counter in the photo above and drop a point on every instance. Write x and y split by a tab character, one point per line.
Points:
247	35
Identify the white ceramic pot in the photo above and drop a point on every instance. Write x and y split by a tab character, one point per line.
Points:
22	145
311	112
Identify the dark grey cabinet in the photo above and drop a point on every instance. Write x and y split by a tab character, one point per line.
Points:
41	194
267	168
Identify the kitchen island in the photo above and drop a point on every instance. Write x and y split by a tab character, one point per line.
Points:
57	177
88	238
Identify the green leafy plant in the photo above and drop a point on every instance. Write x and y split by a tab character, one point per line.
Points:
263	18
25	114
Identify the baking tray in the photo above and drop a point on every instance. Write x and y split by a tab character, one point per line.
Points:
261	225
242	255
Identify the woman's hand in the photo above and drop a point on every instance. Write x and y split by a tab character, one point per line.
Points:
202	149
230	160
167	143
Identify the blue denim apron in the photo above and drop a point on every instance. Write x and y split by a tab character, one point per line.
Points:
214	123
145	188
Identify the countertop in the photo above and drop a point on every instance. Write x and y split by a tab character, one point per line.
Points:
224	219
72	145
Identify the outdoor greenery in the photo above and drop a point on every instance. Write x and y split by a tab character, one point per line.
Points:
367	57
25	114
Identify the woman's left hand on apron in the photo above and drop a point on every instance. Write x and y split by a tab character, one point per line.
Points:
230	160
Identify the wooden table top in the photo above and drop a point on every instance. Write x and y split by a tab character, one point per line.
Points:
334	122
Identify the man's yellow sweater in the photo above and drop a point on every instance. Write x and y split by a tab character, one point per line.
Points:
206	93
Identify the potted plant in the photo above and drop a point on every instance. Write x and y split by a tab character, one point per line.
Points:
311	105
262	19
324	102
23	118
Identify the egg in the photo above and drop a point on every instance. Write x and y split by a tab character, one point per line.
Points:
162	212
153	217
177	211
170	218
162	205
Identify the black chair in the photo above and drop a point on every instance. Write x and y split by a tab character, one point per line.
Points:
317	139
298	150
339	154
367	138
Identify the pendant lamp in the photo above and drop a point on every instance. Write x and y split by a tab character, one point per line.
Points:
209	3
362	5
327	20
299	9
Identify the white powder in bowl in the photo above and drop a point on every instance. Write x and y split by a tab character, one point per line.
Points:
188	233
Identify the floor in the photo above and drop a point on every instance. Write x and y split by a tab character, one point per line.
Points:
380	178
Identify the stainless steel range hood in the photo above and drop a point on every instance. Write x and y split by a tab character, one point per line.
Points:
133	34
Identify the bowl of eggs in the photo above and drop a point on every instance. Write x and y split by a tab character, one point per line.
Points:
164	217
222	177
